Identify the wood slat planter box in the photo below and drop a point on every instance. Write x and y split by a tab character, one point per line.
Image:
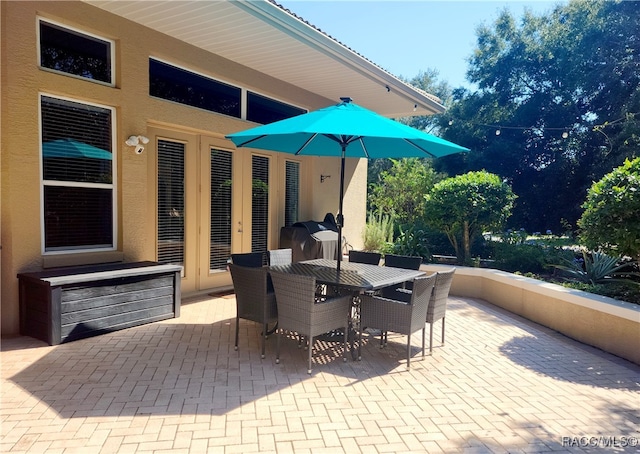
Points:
66	304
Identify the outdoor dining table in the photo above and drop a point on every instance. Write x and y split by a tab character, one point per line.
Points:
356	278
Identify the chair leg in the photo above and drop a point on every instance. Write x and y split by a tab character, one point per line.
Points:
344	349
264	339
310	353
430	338
442	330
278	336
408	351
424	329
237	329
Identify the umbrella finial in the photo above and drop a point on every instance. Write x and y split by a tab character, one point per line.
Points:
346	99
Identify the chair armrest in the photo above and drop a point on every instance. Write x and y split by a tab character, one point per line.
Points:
397	293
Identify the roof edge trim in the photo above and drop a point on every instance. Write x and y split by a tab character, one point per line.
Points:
279	17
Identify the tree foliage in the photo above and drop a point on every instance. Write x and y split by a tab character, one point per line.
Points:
465	206
571	72
611	218
428	81
400	193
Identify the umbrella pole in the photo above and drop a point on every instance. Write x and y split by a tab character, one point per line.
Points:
340	215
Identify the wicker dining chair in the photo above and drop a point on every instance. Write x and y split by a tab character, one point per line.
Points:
298	311
250	259
279	257
370	258
407	262
254	301
398	316
438	303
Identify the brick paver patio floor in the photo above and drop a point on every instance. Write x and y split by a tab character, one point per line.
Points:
500	384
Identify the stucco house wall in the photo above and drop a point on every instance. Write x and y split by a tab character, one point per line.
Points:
136	113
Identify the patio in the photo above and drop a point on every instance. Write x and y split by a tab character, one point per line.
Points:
501	384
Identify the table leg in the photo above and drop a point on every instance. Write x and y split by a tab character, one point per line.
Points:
354	328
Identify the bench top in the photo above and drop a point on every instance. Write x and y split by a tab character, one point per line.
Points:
89	273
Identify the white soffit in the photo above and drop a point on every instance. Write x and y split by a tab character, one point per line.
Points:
266	37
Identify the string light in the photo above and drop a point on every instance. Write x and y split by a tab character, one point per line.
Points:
628	118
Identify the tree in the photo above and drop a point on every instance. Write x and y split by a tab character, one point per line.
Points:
400	193
465	206
428	81
611	218
556	107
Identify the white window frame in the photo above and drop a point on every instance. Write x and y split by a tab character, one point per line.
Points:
112	51
113	186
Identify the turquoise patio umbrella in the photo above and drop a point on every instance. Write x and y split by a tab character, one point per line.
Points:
344	130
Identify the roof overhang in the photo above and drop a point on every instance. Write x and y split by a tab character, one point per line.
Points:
268	38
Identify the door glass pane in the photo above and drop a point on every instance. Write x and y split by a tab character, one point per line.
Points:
259	203
292	193
221	184
171	202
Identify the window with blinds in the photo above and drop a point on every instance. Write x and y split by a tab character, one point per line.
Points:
292	193
77	175
171	202
259	203
221	184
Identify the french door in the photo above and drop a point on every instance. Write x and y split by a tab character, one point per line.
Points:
212	201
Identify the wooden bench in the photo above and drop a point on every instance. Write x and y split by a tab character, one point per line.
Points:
66	304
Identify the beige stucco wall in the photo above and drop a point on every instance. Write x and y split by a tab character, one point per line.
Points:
325	195
22	81
605	323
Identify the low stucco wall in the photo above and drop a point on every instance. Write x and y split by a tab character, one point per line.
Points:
599	321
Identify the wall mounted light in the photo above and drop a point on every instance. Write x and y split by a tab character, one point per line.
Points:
415	107
137	141
324	177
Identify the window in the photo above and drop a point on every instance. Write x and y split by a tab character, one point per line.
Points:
265	110
292	193
75	53
77	175
185	87
259	203
171	202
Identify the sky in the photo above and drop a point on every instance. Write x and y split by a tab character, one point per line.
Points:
406	37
